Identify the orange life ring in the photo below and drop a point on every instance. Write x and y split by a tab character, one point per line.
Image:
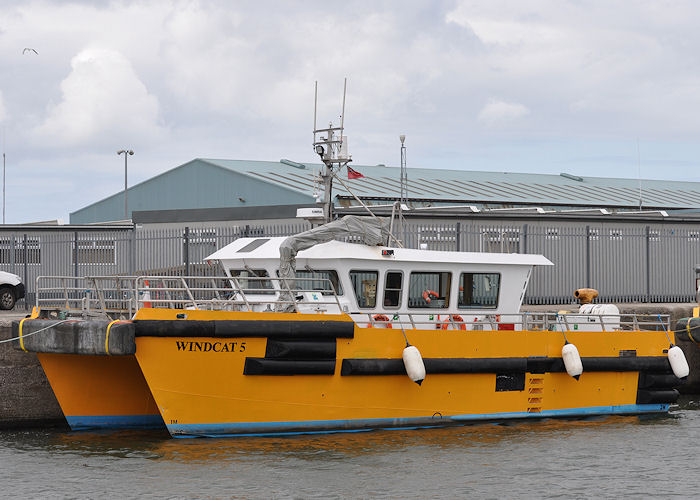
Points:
427	294
381	318
451	320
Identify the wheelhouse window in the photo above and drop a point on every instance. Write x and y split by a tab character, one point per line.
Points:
364	284
479	290
255	281
321	281
429	290
393	283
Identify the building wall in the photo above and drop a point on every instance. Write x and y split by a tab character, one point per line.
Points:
635	261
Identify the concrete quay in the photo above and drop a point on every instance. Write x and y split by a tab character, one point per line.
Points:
26	398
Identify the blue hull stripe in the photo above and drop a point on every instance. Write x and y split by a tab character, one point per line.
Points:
83	422
359	425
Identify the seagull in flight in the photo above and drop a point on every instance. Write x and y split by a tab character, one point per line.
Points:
30	50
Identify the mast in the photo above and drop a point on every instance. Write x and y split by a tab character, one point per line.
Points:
331	146
403	202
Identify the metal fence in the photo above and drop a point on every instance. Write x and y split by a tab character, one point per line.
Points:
625	262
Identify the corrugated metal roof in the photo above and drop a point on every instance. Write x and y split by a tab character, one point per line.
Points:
468	186
212	183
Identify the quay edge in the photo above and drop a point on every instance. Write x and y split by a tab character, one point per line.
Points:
26	398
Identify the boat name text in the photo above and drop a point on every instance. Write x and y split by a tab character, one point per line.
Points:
193	346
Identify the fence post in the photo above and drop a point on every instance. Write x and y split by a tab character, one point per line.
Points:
132	251
75	263
524	238
588	256
186	250
459	236
648	263
75	254
26	275
13	249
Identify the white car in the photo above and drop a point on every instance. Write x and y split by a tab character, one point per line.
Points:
11	290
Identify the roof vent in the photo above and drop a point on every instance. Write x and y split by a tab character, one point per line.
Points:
292	163
572	177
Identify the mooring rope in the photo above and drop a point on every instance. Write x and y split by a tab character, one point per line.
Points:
34	333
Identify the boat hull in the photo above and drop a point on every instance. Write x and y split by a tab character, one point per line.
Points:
101	392
273	383
235	429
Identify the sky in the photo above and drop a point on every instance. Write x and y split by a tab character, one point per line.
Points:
597	88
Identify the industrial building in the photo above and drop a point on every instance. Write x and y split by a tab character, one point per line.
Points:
592	228
224	184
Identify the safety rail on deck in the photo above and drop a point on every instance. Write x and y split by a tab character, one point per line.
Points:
521	321
122	296
89	295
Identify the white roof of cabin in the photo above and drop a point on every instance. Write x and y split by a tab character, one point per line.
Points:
340	250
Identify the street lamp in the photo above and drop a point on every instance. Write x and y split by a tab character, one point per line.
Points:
126	152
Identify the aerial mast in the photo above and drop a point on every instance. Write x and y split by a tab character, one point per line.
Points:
331	146
403	202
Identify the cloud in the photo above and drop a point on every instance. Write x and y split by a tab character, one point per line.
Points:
497	112
102	97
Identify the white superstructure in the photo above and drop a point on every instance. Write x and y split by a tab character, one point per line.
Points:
390	284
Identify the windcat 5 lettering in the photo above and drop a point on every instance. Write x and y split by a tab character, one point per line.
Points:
194	346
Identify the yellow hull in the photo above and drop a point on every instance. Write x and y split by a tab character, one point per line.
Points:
209	385
100	391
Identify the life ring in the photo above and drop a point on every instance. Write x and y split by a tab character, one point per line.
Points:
451	320
381	318
427	294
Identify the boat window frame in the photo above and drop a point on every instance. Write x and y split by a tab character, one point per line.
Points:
479	306
448	290
400	290
338	282
354	290
267	288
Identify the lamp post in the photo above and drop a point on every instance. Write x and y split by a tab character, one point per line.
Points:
126	152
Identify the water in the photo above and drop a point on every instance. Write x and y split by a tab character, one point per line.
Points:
608	457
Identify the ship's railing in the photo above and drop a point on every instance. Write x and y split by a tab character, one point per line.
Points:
112	296
236	294
520	321
122	296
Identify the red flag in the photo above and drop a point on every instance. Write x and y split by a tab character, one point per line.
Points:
354	174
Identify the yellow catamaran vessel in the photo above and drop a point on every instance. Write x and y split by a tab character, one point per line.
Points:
256	353
339	328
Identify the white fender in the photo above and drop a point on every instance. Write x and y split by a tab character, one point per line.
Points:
572	360
413	362
679	365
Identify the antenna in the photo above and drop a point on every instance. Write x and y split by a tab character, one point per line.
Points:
331	150
342	114
404	186
315	106
639	175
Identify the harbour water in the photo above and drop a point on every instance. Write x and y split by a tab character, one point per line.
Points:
608	457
